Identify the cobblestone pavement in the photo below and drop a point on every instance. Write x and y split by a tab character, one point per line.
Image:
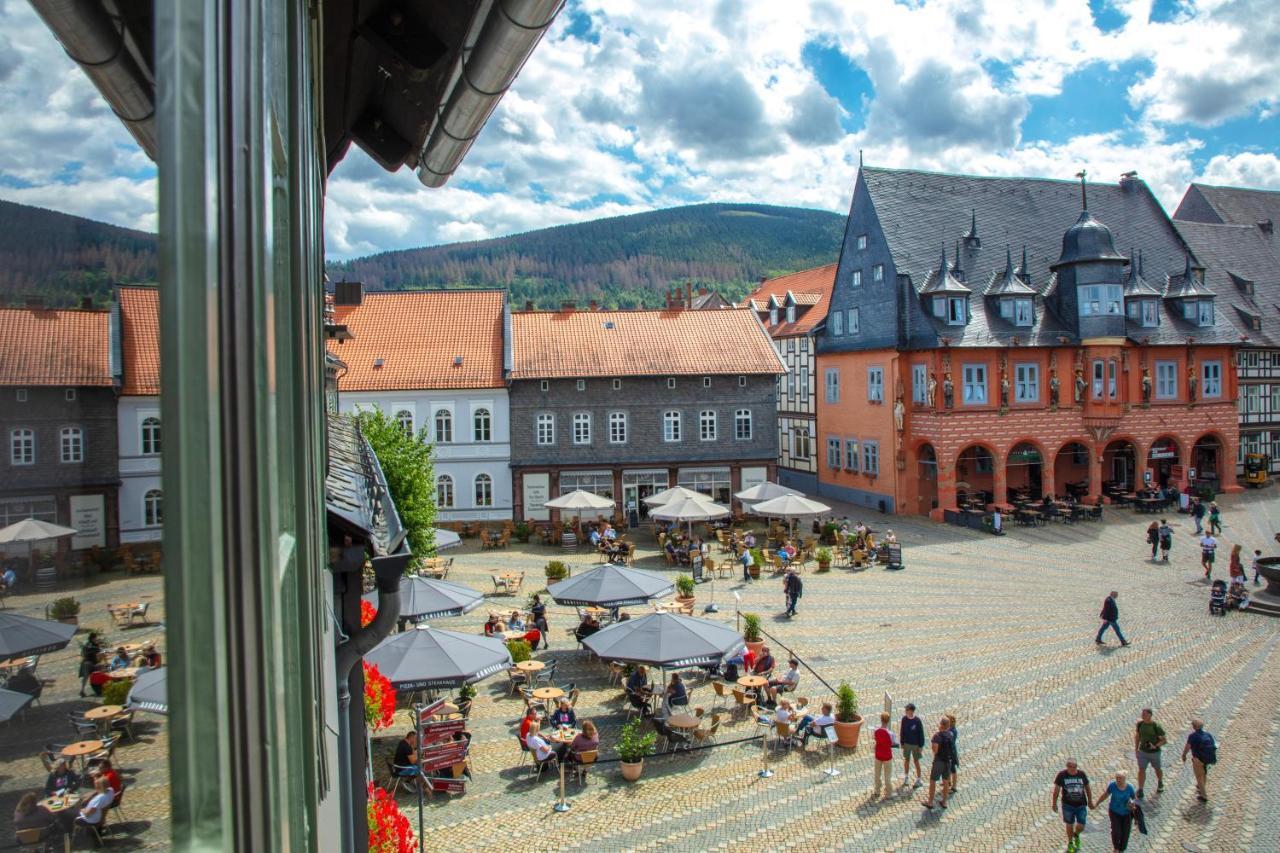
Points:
998	631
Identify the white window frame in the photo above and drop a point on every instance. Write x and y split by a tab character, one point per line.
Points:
742	380
445	435
835	447
617	384
485	498
742	425
1166	380
1204	312
544	429
708	425
852	456
831	384
544	385
1026	382
861	243
1211	378
22	446
837	322
69	394
875	384
957	310
791	313
706	382
479	434
1150	313
671	426
150	434
21	395
801	444
71	445
855	278
1024	313
877	273
153	508
1099	378
581	428
1112	378
671	382
973	389
803	388
1100	300
581	385
855	321
446	497
404	417
920	383
617	427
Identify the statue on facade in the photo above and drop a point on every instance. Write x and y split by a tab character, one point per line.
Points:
1146	385
948	391
1191	383
931	393
899	414
1081	385
1054	387
1004	390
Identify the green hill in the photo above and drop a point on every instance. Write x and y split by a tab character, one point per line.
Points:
64	258
622	261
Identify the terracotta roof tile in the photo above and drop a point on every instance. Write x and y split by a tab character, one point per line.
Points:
140	340
812	292
563	344
418	335
54	347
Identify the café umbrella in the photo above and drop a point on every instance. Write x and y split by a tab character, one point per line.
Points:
610	586
32	530
763	492
666	640
666	496
425	658
443	539
690	509
11	702
576	502
150	691
428	598
23	635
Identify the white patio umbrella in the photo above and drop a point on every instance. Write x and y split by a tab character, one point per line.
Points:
666	496
446	539
690	509
578	500
790	507
32	530
763	492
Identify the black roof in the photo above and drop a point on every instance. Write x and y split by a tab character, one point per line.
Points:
1236	258
1228	205
356	496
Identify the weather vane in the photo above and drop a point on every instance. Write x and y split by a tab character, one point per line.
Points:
1084	200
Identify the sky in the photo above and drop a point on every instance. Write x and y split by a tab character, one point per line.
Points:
633	105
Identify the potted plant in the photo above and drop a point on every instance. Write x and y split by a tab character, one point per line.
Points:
757	560
823	556
116	692
848	722
466	695
66	610
751	632
556	571
684	590
633	746
523	531
520	650
829	532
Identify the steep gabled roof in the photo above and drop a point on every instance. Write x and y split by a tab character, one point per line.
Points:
1235	258
56	346
140	340
1228	205
811	291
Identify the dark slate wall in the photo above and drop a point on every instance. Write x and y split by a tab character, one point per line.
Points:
47	411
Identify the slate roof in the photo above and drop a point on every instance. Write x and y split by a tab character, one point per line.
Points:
56	346
356	495
579	344
811	291
1228	205
1235	256
418	335
918	211
140	340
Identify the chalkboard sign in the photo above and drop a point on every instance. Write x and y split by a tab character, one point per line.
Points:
697	571
633	518
895	557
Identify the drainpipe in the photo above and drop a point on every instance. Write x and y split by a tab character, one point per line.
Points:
387	574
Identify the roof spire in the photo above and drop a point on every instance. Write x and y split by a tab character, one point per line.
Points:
1084	199
1008	260
1139	262
957	270
1022	268
973	223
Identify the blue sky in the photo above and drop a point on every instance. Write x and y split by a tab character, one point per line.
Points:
631	105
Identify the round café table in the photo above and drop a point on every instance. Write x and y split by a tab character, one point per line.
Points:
559	735
530	668
81	749
683	721
547	695
61	804
103	714
752	682
124	673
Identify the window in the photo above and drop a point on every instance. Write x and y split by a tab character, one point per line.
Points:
957	310
581	384
856	280
833	453
153	508
1204	312
1111	378
742	381
444	491
707	425
72	443
803	387
1150	313
800	444
22	447
150	436
773	316
832	379
875	384
582	428
1167	380
919	384
481	425
1023	313
851	455
862	242
940	307
69	394
444	426
15	510
1211	379
877	272
871	457
1096	300
405	419
1098	370
544	385
617	384
617	427
670	426
706	382
791	313
837	322
975	384
1026	383
484	490
671	383
742	425
546	429
855	323
21	395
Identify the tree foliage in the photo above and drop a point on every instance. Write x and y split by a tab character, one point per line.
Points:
406	463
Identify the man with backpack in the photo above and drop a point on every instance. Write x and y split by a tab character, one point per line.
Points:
1166	540
1204	752
793	587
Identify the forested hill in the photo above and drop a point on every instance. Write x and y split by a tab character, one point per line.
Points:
623	261
63	258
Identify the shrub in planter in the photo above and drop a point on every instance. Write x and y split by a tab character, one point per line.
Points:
829	532
633	746
523	531
684	586
64	609
557	571
520	650
751	627
116	692
823	556
848	723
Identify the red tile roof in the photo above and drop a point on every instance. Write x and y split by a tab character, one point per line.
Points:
418	336
564	344
55	347
140	340
812	291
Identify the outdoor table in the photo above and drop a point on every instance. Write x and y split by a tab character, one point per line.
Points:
547	695
124	673
530	669
512	635
61	804
683	721
81	749
752	682
102	713
445	710
559	735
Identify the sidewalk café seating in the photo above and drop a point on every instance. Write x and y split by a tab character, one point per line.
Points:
140	612
398	775
581	761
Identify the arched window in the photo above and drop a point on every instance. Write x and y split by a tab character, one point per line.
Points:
152	508
151	436
444	426
404	417
444	491
484	490
481	425
72	444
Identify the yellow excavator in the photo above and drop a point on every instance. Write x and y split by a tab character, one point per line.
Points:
1256	467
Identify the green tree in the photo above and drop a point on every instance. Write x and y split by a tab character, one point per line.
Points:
406	462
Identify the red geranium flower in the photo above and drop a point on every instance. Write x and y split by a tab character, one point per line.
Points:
367	612
379	699
389	829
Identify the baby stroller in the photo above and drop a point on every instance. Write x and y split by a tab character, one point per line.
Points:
1218	598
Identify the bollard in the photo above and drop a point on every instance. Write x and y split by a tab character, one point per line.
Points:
765	772
561	806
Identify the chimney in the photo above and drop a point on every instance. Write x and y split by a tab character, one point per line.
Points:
86	303
593	306
528	305
688	294
348	293
567	307
35	303
702	291
1267	226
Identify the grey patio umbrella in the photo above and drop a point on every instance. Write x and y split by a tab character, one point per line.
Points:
150	691
22	635
446	539
11	702
425	658
666	640
428	598
610	586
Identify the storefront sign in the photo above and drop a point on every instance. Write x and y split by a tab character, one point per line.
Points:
536	494
88	517
1163	453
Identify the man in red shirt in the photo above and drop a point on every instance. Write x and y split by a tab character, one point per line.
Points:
109	773
884	742
530	722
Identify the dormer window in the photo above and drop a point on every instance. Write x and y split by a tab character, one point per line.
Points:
773	316
1198	311
953	310
791	313
1097	300
1145	312
1019	311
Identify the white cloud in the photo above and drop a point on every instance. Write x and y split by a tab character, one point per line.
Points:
1243	170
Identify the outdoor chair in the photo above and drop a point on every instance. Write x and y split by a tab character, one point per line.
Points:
782	735
140	612
722	694
516	679
538	766
34	839
83	729
398	775
124	725
117	805
742	701
1095	513
51	755
94	830
581	761
704	736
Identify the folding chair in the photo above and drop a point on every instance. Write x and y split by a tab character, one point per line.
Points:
140	612
396	776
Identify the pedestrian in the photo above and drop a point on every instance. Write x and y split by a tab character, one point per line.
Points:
1208	548
1166	540
1215	518
747	562
793	588
89	653
1235	568
1257	564
1153	537
955	752
911	736
940	771
1197	513
1110	617
1120	810
1073	785
1204	754
885	741
1148	740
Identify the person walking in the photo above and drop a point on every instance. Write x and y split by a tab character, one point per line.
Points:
1204	754
1166	540
1153	537
793	588
1215	518
1148	740
1257	564
1120	810
1208	548
1110	617
1073	786
911	736
1235	568
1197	514
885	741
89	653
955	751
747	561
940	771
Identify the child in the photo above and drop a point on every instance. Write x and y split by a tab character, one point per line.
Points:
1166	540
1257	560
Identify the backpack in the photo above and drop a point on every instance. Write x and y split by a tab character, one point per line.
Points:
1206	749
